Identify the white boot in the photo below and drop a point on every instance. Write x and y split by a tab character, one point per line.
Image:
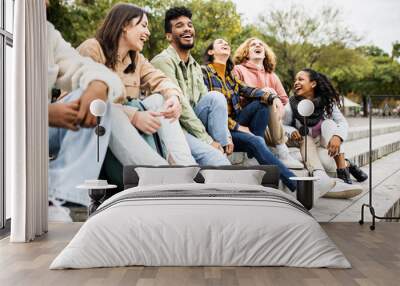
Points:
323	185
283	154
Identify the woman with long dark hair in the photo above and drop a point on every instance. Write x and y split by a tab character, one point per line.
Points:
118	44
327	128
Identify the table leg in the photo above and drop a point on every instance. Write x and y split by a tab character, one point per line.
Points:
305	193
96	198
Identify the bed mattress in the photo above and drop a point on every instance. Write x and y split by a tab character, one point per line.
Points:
201	225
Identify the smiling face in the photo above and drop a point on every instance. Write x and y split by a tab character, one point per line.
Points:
303	86
256	50
221	48
137	33
182	33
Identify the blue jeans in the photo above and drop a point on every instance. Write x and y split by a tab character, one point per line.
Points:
76	157
204	153
255	116
212	110
213	113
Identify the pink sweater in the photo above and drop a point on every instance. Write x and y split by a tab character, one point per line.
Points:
253	76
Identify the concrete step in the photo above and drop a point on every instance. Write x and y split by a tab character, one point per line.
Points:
359	132
356	150
359	129
385	195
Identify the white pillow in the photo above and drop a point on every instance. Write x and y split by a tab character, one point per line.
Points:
247	177
166	176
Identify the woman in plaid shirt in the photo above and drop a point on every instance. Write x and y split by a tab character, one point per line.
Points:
247	124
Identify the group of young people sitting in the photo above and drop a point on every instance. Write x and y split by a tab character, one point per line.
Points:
201	113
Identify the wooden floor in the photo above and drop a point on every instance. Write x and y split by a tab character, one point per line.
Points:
375	257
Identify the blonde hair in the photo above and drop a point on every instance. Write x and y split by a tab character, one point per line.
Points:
242	55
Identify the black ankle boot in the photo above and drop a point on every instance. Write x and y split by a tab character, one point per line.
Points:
357	173
344	174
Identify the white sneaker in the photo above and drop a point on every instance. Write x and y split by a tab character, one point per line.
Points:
283	154
341	190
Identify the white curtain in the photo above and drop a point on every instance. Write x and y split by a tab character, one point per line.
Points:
27	124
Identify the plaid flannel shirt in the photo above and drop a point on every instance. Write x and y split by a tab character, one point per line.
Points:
232	88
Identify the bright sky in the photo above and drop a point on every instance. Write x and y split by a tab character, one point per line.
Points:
377	21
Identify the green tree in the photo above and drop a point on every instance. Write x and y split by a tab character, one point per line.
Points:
396	50
60	15
345	66
79	20
213	19
301	39
372	51
375	74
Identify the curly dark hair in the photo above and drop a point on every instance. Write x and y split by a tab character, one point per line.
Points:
324	90
175	13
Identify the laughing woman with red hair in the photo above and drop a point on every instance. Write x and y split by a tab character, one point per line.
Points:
255	64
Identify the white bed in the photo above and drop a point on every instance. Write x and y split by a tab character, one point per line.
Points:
203	225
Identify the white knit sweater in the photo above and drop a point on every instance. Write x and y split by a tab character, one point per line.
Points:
68	70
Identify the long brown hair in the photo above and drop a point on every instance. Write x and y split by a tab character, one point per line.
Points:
110	31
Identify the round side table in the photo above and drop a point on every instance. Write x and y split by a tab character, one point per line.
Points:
305	190
96	194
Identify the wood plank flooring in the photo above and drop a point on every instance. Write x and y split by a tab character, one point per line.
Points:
375	257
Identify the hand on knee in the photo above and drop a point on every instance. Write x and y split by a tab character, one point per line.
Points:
334	146
64	115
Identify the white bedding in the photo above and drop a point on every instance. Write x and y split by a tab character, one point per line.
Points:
264	229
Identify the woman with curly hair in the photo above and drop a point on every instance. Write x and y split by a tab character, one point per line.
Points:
327	128
254	65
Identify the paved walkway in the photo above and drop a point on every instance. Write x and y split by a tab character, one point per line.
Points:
385	171
386	192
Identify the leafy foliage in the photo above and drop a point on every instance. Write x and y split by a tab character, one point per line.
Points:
80	20
299	39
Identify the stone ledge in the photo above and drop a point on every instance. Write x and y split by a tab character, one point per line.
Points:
386	195
380	129
356	150
382	145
